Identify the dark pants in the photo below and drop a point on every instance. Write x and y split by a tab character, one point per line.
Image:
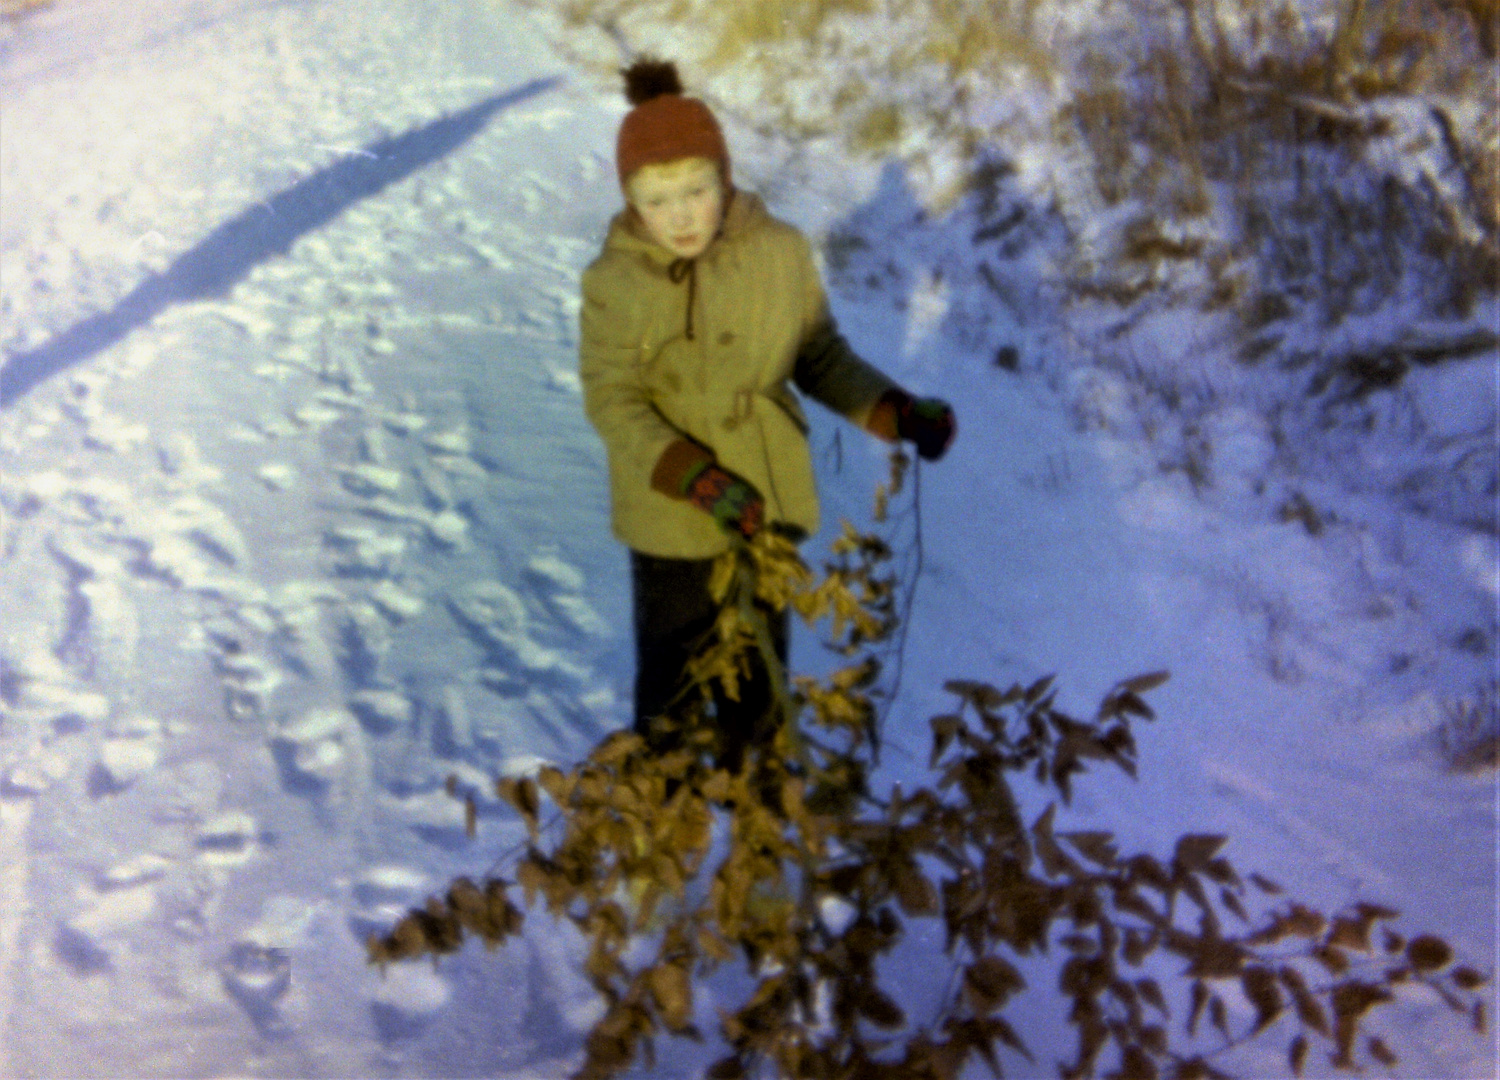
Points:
674	616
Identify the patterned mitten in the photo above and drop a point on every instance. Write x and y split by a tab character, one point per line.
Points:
731	500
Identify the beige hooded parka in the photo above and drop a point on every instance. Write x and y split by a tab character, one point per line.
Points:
704	349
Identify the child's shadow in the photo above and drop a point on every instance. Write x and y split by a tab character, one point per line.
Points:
938	298
969	277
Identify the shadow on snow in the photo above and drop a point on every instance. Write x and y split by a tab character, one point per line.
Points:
262	232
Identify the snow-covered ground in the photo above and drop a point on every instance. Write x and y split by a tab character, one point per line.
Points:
302	517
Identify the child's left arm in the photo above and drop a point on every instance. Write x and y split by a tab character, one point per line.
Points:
830	371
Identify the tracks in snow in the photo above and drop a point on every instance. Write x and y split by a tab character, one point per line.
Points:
288	560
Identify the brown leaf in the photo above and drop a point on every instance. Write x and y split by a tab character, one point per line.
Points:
1097	847
1084	977
1149	871
1138	946
1350	934
1297	1055
1231	901
555	783
879	1009
1332	959
979	694
1154	1038
1218	1015
1216	958
1195	852
1035	691
1265	885
714	945
1304	922
914	892
1352	999
718	787
1259	984
1142	684
1222	871
1309	1009
521	793
1054	862
534	877
503	914
1428	953
989	982
1136	1064
672	989
1151	994
1381	1052
1200	999
998	1028
1132	703
944	729
1466	978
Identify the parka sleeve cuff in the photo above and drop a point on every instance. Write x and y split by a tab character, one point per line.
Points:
678	463
884	417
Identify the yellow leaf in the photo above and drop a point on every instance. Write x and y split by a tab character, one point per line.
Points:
521	793
672	990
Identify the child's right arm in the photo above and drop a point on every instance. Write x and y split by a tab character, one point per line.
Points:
615	398
645	450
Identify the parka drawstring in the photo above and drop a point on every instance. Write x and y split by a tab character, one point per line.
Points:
686	268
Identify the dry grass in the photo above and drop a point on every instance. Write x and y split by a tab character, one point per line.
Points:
1469	736
15	9
1288	124
870	72
1231	128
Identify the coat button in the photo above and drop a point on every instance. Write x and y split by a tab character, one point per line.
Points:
726	338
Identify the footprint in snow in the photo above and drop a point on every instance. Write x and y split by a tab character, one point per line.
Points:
383	711
364	551
228	839
86	943
382	895
249	679
406	999
559	586
364	643
312	749
121	762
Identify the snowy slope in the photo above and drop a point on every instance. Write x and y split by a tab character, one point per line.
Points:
284	552
301	517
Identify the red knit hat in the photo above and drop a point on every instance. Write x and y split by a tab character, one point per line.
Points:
665	126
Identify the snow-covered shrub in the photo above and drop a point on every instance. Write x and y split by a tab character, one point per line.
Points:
1469	736
1199	127
1316	178
1333	157
927	82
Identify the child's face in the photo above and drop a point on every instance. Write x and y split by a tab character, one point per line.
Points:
681	202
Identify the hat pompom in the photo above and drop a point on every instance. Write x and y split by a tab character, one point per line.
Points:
646	79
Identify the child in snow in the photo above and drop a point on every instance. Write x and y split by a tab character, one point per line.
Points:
698	312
